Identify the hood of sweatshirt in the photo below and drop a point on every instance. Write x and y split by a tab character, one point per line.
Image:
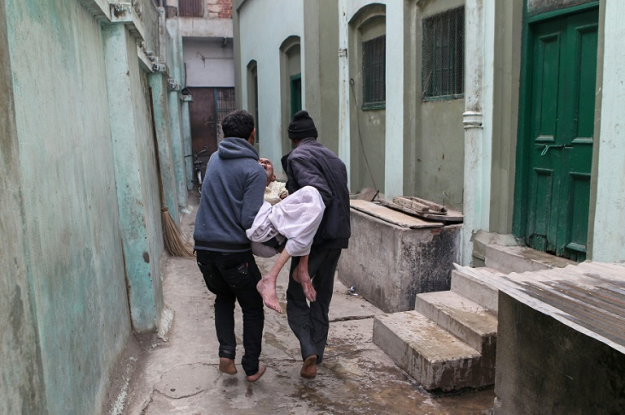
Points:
236	148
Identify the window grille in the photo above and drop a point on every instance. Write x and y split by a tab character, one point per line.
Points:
224	105
374	73
191	8
443	55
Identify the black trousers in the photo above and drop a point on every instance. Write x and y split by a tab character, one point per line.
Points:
233	276
309	322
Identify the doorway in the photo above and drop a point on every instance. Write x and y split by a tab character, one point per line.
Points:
208	108
556	134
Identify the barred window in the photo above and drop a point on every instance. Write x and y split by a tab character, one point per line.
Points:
443	54
191	8
374	73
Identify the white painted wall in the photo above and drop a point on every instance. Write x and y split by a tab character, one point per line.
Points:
478	119
209	64
264	25
608	239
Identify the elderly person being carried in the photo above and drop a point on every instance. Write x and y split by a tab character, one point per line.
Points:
294	219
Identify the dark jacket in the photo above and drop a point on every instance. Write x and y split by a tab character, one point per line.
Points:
232	194
313	164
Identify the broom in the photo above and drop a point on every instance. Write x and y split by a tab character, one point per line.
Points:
175	241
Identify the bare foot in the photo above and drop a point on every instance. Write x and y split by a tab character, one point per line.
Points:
227	366
257	375
309	368
267	290
304	279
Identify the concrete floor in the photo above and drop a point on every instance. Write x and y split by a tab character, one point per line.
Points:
180	376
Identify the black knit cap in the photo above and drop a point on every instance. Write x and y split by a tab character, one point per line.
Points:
302	126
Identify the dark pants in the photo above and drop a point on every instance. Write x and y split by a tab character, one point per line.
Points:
310	323
233	276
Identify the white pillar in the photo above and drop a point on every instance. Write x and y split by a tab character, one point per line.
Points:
394	140
608	239
344	113
477	119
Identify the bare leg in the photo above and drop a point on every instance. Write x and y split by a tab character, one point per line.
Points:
267	285
301	275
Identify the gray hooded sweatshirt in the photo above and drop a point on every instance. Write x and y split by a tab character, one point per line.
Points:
232	194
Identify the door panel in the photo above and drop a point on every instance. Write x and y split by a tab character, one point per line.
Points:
203	120
561	121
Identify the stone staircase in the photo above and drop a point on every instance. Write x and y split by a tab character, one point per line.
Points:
449	341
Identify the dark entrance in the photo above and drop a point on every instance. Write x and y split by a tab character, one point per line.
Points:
208	109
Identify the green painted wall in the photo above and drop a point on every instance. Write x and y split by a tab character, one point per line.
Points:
441	152
507	64
437	159
80	200
21	374
135	174
71	223
321	83
368	127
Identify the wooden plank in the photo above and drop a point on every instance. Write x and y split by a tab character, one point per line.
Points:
392	216
451	216
410	204
368	194
433	206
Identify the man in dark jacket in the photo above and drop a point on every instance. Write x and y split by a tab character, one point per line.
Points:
232	194
312	164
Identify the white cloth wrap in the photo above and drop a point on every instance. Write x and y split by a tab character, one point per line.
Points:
297	218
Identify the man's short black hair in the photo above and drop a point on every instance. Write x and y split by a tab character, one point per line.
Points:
238	124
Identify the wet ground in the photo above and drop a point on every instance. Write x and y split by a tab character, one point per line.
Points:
180	375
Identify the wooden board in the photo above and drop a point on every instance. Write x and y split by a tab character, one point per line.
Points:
451	216
393	216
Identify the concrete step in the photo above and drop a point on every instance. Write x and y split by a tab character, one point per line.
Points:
465	319
464	283
521	259
428	353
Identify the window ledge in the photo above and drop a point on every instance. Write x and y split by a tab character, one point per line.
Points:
444	98
374	106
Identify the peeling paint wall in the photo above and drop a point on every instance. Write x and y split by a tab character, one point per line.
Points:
72	232
63	284
21	375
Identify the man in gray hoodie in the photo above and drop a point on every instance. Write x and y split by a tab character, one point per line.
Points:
232	194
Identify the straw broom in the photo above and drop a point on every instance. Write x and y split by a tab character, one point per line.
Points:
175	241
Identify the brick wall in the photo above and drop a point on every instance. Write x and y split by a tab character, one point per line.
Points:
219	9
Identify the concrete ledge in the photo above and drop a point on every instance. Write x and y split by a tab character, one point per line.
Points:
546	367
520	259
435	358
390	264
473	289
463	318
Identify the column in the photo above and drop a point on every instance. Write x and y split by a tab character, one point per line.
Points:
394	140
344	112
608	233
158	83
186	138
477	119
142	296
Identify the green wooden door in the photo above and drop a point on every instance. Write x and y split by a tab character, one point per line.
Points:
561	122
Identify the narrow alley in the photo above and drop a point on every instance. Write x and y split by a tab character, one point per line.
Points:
478	150
180	375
